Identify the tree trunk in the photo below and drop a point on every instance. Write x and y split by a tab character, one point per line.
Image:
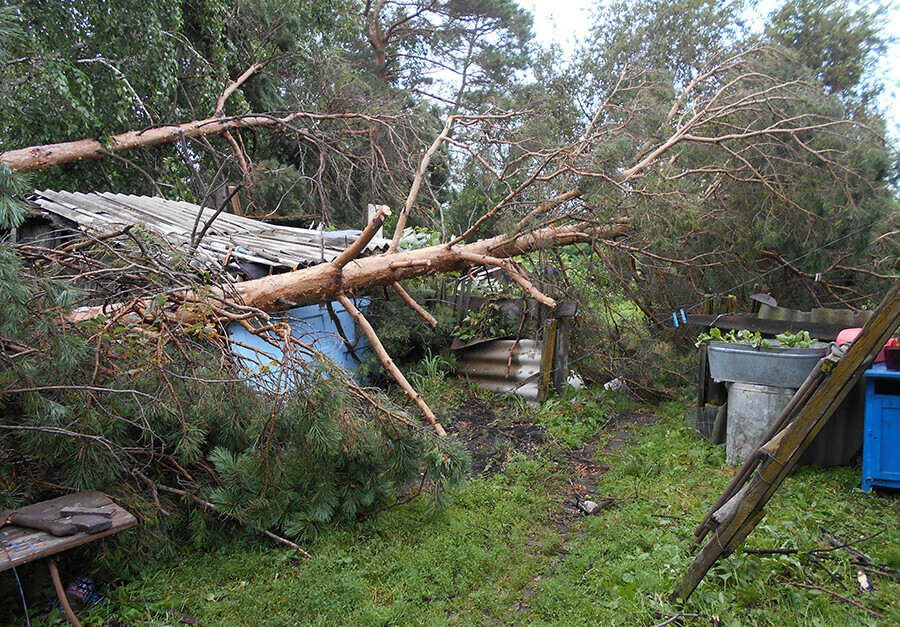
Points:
41	157
326	281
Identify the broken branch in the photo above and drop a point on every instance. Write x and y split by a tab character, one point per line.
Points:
353	250
212	506
417	182
837	596
390	365
513	273
234	86
413	304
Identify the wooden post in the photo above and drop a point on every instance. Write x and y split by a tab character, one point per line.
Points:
235	202
465	296
561	356
564	312
371	211
547	352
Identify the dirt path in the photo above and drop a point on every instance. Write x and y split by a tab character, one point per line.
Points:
494	435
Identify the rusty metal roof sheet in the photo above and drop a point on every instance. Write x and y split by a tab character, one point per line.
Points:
243	239
503	366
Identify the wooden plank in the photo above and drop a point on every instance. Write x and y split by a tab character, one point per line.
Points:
793	441
565	309
560	374
704	375
26	545
547	352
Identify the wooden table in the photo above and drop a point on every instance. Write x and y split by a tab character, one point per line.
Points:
23	545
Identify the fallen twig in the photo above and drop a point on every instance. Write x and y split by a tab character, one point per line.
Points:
212	506
674	618
818	563
837	596
859	558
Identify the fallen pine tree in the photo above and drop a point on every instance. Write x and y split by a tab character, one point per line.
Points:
149	365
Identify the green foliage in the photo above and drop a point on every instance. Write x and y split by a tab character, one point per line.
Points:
12	189
89	70
434	367
487	322
837	43
693	234
293	464
316	463
574	421
500	556
755	340
801	339
796	340
672	37
410	339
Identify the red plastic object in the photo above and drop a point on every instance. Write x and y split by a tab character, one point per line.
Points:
848	335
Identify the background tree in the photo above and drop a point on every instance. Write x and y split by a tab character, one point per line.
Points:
459	51
837	43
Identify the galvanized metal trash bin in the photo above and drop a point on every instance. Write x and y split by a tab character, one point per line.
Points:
752	410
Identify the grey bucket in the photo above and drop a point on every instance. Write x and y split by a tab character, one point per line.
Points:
752	410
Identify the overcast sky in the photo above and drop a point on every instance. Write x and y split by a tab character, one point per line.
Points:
565	21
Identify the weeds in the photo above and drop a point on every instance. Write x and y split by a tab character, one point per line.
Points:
508	553
575	421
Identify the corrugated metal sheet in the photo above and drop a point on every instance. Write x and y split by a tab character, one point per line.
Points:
490	366
842	317
243	239
841	439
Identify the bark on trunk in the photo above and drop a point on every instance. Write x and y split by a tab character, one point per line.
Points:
41	157
324	282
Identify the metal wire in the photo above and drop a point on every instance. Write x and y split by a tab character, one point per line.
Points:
19	583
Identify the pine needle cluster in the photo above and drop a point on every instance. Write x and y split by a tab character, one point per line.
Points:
162	418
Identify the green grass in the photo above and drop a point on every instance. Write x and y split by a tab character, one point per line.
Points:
380	572
628	560
496	556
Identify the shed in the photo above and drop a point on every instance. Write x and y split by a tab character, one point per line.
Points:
244	247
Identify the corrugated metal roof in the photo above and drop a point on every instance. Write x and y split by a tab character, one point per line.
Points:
244	239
